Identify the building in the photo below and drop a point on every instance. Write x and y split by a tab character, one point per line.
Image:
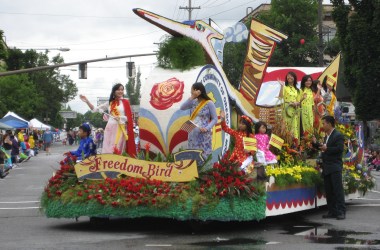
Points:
328	25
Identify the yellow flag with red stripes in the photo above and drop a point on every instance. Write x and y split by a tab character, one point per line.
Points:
276	141
331	72
250	143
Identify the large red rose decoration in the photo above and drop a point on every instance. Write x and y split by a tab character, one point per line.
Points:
165	94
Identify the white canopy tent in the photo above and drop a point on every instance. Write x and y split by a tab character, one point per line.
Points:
36	124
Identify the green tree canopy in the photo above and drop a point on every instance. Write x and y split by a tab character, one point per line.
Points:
359	35
37	94
298	19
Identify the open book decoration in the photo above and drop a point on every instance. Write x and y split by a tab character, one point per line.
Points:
188	126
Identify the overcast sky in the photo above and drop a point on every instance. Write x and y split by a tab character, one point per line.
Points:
96	29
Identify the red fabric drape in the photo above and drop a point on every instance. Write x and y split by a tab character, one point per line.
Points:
130	145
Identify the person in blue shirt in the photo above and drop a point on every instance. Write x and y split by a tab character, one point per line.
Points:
87	146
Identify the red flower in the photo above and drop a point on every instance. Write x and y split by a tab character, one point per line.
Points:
165	94
147	147
116	151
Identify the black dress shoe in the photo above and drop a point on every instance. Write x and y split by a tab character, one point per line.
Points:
341	217
328	216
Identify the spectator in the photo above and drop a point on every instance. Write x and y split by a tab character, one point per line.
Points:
376	162
20	135
70	137
47	138
99	138
15	151
24	154
7	142
32	144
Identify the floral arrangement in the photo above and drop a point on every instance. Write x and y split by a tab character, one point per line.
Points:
224	180
346	130
286	175
306	145
357	178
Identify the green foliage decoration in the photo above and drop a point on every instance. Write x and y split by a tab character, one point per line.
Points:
180	53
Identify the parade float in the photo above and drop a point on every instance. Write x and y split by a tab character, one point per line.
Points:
166	179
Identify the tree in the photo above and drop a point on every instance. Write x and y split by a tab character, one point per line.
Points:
38	94
95	119
3	49
359	34
20	95
133	89
233	61
298	19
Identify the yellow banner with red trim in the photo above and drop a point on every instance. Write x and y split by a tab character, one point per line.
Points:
113	166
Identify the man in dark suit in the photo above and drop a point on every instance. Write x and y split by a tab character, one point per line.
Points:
332	150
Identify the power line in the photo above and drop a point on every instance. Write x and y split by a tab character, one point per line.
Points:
207	7
230	9
204	2
175	9
189	8
211	3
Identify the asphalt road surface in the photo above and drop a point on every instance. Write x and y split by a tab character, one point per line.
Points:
22	226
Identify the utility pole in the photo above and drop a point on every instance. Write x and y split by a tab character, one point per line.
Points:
189	8
320	34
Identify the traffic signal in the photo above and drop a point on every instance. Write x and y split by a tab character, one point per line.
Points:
131	70
83	71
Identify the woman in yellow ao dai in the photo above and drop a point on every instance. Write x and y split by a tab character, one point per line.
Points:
307	103
291	95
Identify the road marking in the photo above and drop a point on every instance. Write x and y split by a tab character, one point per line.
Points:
365	205
367	199
18	202
272	243
18	208
158	245
374	191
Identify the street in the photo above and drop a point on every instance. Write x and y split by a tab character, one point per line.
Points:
24	227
